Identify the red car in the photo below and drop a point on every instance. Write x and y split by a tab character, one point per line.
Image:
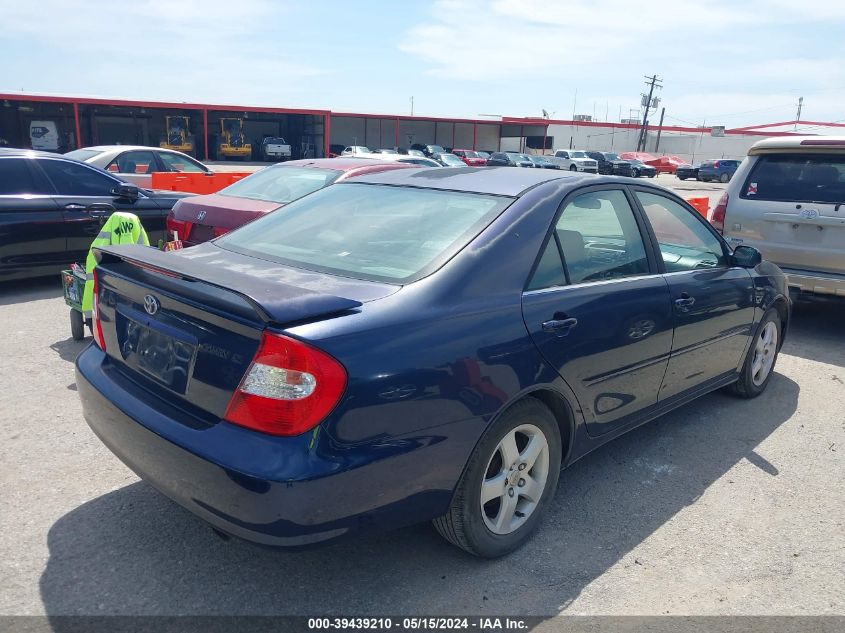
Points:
201	218
470	157
664	164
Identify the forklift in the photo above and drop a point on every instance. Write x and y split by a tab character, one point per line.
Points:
232	140
178	135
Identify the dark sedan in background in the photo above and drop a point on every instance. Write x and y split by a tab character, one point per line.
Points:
721	170
542	162
52	208
687	171
509	159
639	168
610	164
419	344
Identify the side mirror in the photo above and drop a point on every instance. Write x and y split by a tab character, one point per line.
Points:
126	191
746	256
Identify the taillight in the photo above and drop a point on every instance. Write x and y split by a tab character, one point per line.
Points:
96	325
220	230
717	218
289	388
715	164
177	229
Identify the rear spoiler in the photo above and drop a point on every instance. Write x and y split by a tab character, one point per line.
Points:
273	300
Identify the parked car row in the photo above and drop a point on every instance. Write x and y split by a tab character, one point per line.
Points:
722	170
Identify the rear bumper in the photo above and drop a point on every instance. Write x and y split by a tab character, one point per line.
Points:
276	491
816	283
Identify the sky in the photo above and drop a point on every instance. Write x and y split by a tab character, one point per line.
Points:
732	63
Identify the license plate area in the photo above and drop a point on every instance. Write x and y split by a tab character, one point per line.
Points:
164	358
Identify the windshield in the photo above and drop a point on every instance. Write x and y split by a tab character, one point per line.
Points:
377	232
83	154
522	157
611	156
281	184
451	159
275	141
577	155
470	154
436	149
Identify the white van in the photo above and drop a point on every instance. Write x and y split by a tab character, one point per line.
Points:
787	200
44	135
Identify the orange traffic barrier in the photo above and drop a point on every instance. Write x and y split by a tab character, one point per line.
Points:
702	205
195	183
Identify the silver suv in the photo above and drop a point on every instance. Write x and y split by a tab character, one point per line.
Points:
787	199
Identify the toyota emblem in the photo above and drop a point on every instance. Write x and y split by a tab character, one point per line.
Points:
201	215
151	304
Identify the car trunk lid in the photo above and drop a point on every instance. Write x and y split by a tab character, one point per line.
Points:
187	330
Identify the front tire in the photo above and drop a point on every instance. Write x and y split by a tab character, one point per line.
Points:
635	173
507	483
573	168
759	364
724	178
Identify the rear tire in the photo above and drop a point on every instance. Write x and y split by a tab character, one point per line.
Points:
516	464
724	178
760	359
77	325
635	173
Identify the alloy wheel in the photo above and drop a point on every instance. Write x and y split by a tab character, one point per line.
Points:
764	354
515	479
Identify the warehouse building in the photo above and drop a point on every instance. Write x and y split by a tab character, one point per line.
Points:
64	123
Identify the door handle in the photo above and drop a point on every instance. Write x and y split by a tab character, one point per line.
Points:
685	301
560	327
73	206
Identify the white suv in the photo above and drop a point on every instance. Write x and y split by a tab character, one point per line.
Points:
574	160
787	199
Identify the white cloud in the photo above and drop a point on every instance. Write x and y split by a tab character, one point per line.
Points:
729	57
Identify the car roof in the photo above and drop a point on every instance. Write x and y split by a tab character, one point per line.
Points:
502	181
17	151
349	166
803	143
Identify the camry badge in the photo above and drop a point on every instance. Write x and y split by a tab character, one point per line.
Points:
151	304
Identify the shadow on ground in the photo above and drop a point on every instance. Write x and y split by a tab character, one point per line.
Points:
817	331
24	290
132	551
68	349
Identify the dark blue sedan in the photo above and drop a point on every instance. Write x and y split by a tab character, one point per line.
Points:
418	345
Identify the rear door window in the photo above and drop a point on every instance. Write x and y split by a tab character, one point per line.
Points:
796	178
15	178
75	179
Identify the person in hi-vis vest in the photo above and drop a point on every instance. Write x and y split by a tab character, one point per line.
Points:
120	228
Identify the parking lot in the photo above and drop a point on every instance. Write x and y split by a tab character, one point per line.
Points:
724	506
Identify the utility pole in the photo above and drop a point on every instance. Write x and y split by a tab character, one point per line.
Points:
412	105
798	116
659	130
651	82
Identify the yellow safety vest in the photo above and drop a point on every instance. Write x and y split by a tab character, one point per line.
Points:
120	228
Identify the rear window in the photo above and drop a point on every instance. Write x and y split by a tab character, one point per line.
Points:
281	184
797	178
374	232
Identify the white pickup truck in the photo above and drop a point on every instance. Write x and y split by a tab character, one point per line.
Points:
574	160
275	148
